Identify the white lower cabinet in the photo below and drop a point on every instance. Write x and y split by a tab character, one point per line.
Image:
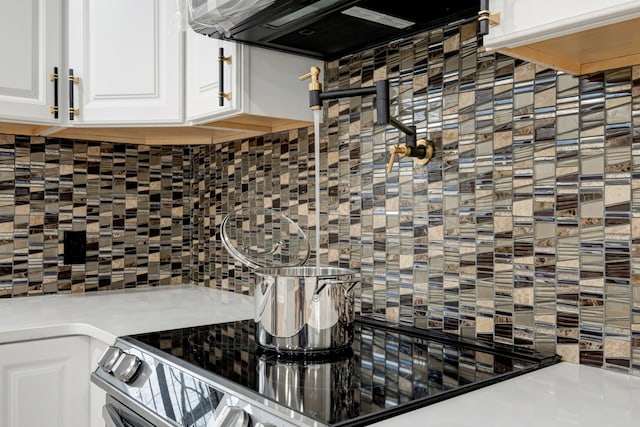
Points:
45	383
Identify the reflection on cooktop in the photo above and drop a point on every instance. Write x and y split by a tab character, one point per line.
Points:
386	371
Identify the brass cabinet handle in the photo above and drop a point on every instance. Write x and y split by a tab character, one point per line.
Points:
486	19
221	93
483	17
53	77
72	80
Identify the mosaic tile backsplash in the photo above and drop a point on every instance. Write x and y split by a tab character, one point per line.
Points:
131	200
524	229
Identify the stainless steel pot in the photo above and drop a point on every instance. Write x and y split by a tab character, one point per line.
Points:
304	309
298	309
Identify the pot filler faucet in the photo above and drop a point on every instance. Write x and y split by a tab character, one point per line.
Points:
421	150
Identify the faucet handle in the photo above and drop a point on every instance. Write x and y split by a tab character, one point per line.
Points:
391	160
397	149
314	75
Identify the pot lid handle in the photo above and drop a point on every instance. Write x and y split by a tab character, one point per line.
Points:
263	238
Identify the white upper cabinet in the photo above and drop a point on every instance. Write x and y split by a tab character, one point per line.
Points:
128	58
31	48
577	36
125	55
203	80
129	72
260	88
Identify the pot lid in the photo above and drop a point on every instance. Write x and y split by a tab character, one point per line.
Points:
261	237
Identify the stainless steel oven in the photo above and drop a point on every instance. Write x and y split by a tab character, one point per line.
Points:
116	414
216	375
145	389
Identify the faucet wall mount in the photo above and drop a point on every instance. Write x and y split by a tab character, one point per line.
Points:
422	153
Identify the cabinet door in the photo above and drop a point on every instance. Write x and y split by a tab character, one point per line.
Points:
262	84
203	80
576	36
30	42
528	21
128	57
45	383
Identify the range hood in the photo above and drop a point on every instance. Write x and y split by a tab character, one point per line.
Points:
323	29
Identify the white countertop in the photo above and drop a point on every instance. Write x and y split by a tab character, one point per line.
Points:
562	395
109	314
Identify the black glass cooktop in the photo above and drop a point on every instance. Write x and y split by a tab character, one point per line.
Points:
388	370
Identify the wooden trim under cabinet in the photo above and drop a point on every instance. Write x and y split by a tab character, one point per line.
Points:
585	52
231	129
23	129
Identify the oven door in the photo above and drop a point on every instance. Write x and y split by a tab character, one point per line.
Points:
116	414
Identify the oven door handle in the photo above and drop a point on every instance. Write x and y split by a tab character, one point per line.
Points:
111	417
232	416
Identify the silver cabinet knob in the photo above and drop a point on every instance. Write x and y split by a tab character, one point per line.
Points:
127	367
109	358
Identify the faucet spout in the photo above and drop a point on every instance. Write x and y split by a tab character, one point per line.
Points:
410	131
380	90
